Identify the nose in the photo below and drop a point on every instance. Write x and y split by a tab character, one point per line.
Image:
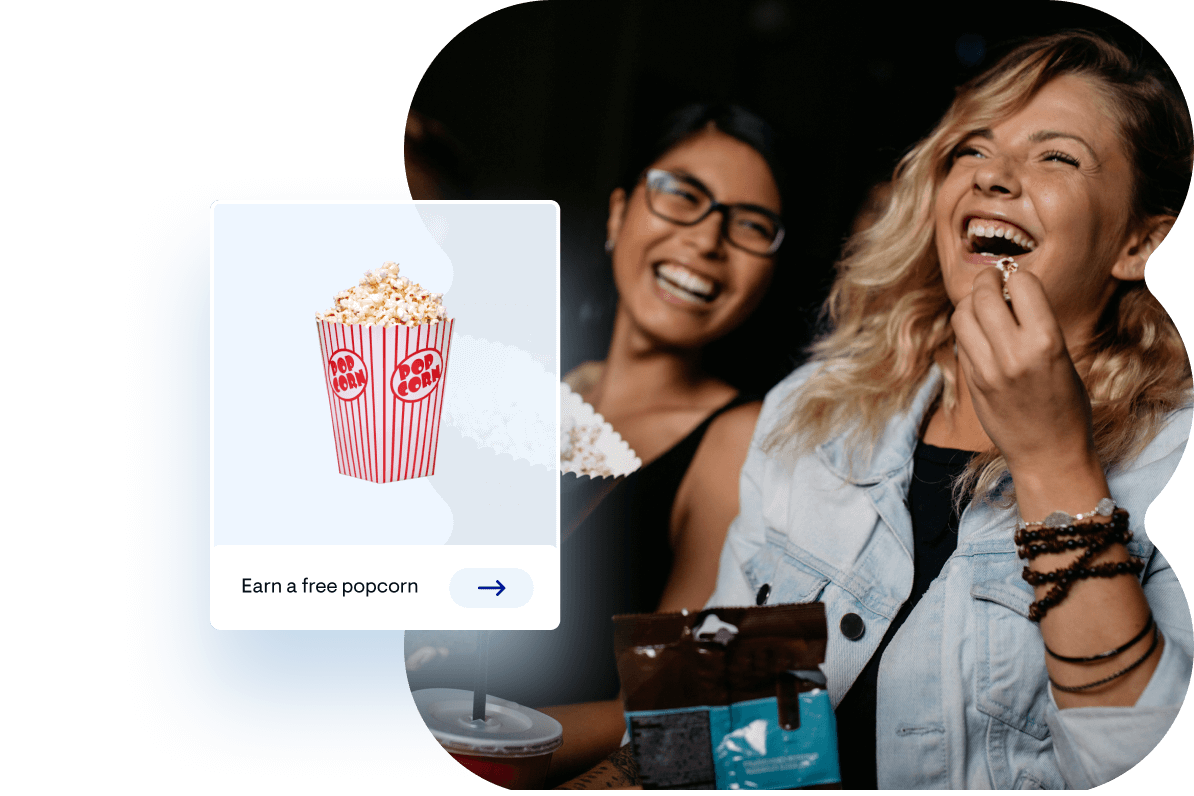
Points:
708	235
997	175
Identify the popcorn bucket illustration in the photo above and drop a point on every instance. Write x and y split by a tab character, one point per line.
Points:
385	389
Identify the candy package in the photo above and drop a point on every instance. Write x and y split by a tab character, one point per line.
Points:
728	698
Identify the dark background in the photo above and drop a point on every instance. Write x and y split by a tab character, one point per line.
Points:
553	99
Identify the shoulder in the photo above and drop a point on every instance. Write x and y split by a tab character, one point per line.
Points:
776	404
584	376
1137	483
734	426
723	449
1170	439
718	460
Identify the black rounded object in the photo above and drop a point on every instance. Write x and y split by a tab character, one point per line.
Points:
764	593
852	626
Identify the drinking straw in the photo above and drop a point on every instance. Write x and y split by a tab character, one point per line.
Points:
481	675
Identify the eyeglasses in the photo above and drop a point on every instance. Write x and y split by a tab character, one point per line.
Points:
684	200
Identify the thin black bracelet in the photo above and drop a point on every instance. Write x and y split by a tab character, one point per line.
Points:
1108	653
1120	673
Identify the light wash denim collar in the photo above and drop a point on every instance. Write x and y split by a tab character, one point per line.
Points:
890	455
886	471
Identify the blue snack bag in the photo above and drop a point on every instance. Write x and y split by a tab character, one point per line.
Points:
728	698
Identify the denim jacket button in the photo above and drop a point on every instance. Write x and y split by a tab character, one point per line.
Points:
764	593
852	626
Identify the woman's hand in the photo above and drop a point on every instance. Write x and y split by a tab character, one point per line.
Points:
1032	404
1023	384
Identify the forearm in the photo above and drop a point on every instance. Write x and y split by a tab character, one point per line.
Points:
617	771
592	730
1097	614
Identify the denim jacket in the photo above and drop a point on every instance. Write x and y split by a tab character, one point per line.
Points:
963	696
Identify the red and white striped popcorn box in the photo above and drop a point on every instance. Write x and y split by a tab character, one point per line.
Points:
386	391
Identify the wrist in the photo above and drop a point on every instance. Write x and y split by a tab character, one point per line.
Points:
1073	484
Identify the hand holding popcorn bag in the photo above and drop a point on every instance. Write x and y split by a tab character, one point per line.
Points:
385	346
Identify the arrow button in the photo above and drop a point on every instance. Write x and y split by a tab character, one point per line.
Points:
491	587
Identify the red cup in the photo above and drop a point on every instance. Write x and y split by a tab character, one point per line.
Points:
511	747
385	389
514	773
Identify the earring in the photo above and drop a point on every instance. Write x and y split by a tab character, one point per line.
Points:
609	246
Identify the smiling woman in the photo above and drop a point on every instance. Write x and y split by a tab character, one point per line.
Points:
692	238
943	436
1050	185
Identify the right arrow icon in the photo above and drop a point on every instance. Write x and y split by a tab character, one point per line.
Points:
499	588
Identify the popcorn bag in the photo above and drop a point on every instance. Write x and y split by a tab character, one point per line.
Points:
385	374
594	459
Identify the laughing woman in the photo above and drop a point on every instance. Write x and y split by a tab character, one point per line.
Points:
693	236
961	473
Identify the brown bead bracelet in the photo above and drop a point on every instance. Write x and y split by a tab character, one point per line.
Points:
1091	538
1062	580
1106	570
1103	539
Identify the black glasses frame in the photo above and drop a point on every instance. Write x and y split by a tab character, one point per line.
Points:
651	175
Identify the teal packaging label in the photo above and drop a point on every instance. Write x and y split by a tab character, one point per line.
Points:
736	747
752	752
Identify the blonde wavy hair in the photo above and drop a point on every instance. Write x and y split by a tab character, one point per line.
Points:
888	313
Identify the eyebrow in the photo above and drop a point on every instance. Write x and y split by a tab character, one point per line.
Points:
1041	136
1049	135
691	178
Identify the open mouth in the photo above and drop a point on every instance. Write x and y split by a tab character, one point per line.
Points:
997	238
685	284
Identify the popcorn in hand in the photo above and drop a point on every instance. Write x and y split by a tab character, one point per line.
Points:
383	298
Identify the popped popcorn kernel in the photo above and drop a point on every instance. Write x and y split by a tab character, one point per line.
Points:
385	298
579	451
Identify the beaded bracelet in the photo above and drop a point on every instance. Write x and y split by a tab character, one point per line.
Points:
1058	518
1104	539
1109	569
1063	579
1119	519
1109	653
1120	673
1092	538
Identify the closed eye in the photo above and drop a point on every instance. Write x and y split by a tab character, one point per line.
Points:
677	189
1061	157
967	151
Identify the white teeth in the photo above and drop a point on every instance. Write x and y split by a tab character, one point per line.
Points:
988	229
678	291
690	281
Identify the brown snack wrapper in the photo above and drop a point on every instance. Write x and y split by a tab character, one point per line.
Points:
728	697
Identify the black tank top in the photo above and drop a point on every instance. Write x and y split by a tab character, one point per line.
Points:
616	562
935	537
